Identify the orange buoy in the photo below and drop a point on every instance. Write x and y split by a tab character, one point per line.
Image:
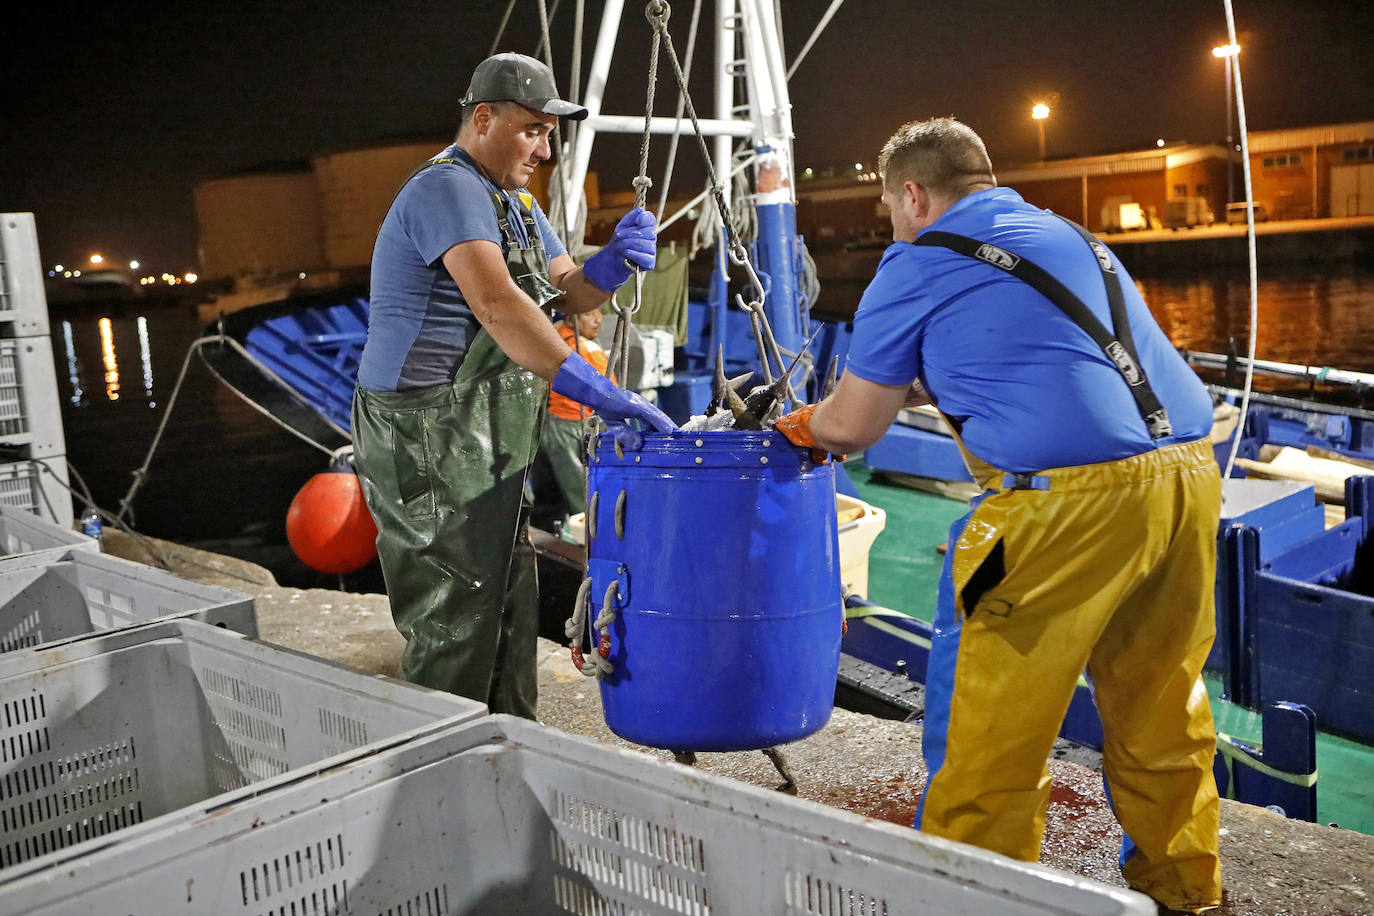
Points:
328	524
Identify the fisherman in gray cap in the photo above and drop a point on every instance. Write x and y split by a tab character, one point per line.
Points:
455	375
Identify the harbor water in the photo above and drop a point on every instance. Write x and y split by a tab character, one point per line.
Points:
223	475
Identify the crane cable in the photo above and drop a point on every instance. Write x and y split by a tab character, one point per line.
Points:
1250	235
657	12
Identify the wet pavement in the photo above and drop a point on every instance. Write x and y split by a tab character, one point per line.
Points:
1271	865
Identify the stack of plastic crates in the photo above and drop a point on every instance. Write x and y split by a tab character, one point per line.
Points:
107	732
500	815
49	596
33	465
24	534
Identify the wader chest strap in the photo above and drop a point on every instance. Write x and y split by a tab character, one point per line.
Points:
1118	344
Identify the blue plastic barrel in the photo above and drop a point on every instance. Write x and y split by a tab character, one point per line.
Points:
724	554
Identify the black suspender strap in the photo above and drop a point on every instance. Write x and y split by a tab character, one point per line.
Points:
1118	345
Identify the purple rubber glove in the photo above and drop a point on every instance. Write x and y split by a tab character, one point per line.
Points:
578	379
630	439
633	244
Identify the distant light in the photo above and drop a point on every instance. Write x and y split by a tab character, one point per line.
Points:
1040	112
300	276
133	265
76	273
1226	51
58	268
809	172
97	259
1159	142
66	273
191	278
858	166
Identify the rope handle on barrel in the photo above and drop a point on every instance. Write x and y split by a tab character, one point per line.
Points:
575	628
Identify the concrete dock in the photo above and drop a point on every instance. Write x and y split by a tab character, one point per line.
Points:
1271	864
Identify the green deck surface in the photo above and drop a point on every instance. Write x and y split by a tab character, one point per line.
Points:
904	569
903	564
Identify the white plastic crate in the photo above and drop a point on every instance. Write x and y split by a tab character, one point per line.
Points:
30	415
103	733
503	816
22	533
859	526
49	596
29	485
23	303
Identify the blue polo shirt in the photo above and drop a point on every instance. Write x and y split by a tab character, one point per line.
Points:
419	324
1026	387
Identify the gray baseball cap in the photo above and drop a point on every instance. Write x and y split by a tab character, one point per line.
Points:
511	77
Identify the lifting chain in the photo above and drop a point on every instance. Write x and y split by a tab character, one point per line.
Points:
657	12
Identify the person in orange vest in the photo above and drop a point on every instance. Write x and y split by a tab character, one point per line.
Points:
561	441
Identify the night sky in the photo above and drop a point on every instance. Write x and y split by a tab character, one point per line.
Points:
113	112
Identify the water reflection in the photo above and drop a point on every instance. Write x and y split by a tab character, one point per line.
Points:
107	354
73	367
146	354
1310	318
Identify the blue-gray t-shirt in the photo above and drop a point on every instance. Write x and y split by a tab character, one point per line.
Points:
419	325
1029	389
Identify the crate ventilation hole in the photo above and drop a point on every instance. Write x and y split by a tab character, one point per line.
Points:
25	632
626	857
296	876
61	793
256	745
808	895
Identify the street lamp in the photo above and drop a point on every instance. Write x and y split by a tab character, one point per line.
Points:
1040	112
1228	54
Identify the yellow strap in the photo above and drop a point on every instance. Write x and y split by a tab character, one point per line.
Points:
1229	748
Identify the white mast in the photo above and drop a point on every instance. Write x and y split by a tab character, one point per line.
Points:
767	103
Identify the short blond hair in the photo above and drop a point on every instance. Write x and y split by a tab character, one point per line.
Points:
943	155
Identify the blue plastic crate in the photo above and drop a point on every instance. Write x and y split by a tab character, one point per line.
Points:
316	350
908	450
1281	513
1304	619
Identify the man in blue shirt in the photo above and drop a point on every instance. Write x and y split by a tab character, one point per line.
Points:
1092	544
454	378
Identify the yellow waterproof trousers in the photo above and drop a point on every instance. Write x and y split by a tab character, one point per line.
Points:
1108	567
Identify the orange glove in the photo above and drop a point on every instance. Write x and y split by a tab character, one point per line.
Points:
796	426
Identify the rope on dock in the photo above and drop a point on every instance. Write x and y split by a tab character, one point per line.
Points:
140	475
